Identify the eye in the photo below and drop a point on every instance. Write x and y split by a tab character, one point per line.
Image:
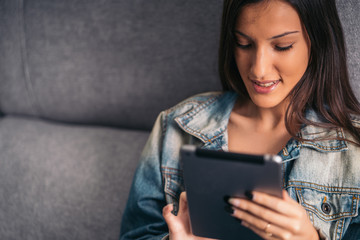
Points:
281	49
243	46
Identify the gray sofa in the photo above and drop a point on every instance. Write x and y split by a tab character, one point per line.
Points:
81	83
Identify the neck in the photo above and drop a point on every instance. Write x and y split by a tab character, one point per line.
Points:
264	119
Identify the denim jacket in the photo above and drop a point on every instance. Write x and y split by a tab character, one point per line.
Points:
323	175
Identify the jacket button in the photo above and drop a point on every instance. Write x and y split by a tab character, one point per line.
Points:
326	208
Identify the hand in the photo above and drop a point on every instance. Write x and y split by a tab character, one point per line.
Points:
274	218
179	226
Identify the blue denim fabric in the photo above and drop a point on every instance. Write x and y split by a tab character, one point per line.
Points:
323	175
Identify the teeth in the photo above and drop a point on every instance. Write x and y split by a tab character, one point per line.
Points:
265	84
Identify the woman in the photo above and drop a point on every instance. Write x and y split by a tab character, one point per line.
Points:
283	69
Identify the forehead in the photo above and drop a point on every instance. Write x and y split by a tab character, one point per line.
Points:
271	15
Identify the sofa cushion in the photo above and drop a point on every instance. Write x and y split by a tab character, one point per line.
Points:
61	181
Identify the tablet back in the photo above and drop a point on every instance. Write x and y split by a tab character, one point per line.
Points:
210	176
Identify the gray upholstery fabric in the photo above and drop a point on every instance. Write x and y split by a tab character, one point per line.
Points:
101	71
74	186
349	12
106	62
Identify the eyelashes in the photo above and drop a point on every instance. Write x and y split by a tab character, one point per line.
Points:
277	48
247	46
281	49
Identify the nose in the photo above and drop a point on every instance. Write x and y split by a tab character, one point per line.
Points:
261	65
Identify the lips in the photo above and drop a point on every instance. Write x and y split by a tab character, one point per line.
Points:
265	86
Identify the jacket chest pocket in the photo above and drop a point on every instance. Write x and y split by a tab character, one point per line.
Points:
330	211
173	186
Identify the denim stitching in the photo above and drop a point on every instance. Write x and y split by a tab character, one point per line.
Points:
341	228
192	132
169	110
327	220
322	218
168	190
325	191
167	179
341	214
321	147
211	140
199	134
339	133
194	112
170	168
336	229
168	172
199	108
301	186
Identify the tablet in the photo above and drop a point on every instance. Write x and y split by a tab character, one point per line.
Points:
210	176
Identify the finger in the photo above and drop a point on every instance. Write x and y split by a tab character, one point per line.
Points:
183	214
282	206
176	224
183	205
257	213
259	232
260	224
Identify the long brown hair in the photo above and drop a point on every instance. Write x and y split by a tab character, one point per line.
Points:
325	85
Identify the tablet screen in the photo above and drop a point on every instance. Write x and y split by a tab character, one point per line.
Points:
211	175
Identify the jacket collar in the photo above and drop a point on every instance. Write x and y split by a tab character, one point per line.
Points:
322	139
208	122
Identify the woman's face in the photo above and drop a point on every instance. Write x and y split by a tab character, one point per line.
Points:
272	51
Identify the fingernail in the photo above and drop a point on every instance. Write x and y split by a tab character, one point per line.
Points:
229	209
234	201
249	195
226	198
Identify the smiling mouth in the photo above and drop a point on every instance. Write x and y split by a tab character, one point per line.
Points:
267	84
265	87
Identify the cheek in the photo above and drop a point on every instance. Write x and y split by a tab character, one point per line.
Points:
294	66
243	64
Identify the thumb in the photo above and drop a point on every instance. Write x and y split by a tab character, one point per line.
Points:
183	205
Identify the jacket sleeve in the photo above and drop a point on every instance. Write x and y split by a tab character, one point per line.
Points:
142	218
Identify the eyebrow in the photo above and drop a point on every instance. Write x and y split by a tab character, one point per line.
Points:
274	37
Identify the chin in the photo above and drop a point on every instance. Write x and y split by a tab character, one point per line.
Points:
267	103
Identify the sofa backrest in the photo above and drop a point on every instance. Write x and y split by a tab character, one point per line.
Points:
115	62
106	62
349	12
